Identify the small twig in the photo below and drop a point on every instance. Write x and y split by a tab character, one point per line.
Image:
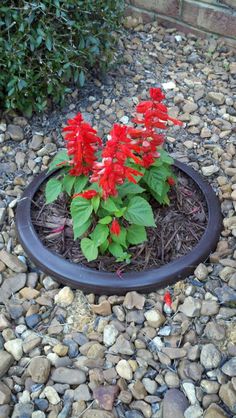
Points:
82	413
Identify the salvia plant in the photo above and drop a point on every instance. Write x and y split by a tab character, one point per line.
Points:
110	187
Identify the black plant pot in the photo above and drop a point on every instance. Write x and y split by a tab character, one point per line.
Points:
100	282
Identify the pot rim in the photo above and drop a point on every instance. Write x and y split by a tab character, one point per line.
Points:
101	282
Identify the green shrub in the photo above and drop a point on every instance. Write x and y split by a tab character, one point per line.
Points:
49	45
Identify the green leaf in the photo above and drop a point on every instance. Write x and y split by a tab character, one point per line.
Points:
100	234
165	157
116	250
49	43
109	205
163	197
104	246
67	183
52	190
106	220
139	212
58	159
121	238
79	230
81	78
129	188
89	249
21	84
95	202
80	183
136	234
125	257
156	177
81	210
120	212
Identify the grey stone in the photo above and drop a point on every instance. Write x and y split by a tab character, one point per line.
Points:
39	369
82	393
14	347
135	316
191	307
110	334
36	142
70	376
229	368
2	215
5	394
209	308
174	404
4	411
23	410
215	411
226	295
16	132
214	331
5	363
216	98
227	394
11	286
193	411
210	357
122	346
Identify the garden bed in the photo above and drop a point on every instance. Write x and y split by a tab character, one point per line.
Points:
180	226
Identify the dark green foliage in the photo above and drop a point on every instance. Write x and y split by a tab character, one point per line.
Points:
48	45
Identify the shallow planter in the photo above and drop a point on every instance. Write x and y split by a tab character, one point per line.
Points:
101	282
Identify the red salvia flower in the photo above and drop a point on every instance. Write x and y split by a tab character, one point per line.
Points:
171	181
167	299
82	144
88	194
142	107
115	227
112	171
154	115
156	94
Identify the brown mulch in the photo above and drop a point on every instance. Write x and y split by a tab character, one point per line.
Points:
179	228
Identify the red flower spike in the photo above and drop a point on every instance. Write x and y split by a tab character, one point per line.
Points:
167	299
154	116
88	194
112	171
171	181
82	144
115	227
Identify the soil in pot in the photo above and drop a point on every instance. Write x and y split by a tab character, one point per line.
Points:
180	226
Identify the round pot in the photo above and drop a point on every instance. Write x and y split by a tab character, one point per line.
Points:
100	282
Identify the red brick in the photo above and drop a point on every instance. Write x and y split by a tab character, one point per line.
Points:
182	27
147	17
166	7
231	3
210	18
143	4
215	2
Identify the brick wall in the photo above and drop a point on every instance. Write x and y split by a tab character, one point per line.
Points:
202	17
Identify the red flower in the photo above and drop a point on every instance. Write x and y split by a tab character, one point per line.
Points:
142	107
154	115
156	94
112	171
167	299
88	194
82	144
171	181
115	227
